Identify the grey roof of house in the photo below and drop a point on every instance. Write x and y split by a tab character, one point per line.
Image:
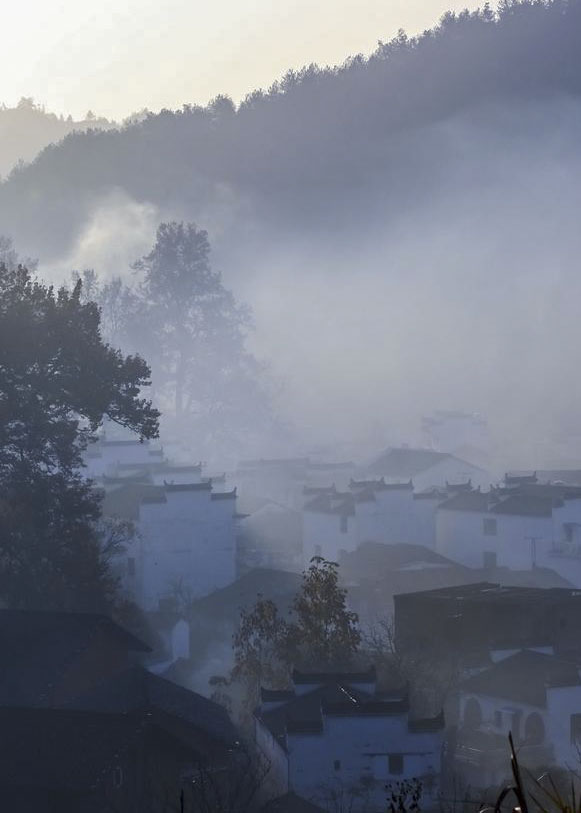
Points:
501	502
380	485
137	690
480	592
38	647
404	464
224	495
304	712
524	505
68	750
523	677
467	501
339	694
54	748
334	503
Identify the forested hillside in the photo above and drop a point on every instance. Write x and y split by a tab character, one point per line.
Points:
318	140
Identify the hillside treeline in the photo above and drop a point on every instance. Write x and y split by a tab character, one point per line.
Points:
314	145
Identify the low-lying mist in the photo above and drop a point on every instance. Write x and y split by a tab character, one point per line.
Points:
456	290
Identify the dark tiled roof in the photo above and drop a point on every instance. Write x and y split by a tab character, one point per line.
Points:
175	487
137	690
520	479
467	501
304	712
480	592
343	504
524	677
224	495
58	749
380	485
455	488
38	647
524	506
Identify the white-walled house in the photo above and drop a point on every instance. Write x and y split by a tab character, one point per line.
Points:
535	696
516	527
333	735
370	511
185	540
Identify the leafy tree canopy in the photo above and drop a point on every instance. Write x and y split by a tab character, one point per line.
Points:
58	381
321	633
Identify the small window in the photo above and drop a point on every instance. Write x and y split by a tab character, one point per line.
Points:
395	764
344	521
534	729
118	777
131	566
576	729
318	550
498	719
337	764
489	560
568	528
489	526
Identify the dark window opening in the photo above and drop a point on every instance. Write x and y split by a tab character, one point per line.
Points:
489	526
337	764
395	763
344	522
489	559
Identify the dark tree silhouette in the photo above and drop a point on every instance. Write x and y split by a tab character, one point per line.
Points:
58	381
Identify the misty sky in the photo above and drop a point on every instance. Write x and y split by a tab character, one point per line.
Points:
117	56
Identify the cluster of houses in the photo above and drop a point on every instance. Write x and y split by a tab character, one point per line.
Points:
500	657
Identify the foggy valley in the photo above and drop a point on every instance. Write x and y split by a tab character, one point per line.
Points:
290	452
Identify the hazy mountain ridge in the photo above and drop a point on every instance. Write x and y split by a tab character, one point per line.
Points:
294	152
28	128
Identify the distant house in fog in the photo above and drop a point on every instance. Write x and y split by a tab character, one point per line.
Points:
334	735
371	510
186	539
535	696
270	537
281	480
426	468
